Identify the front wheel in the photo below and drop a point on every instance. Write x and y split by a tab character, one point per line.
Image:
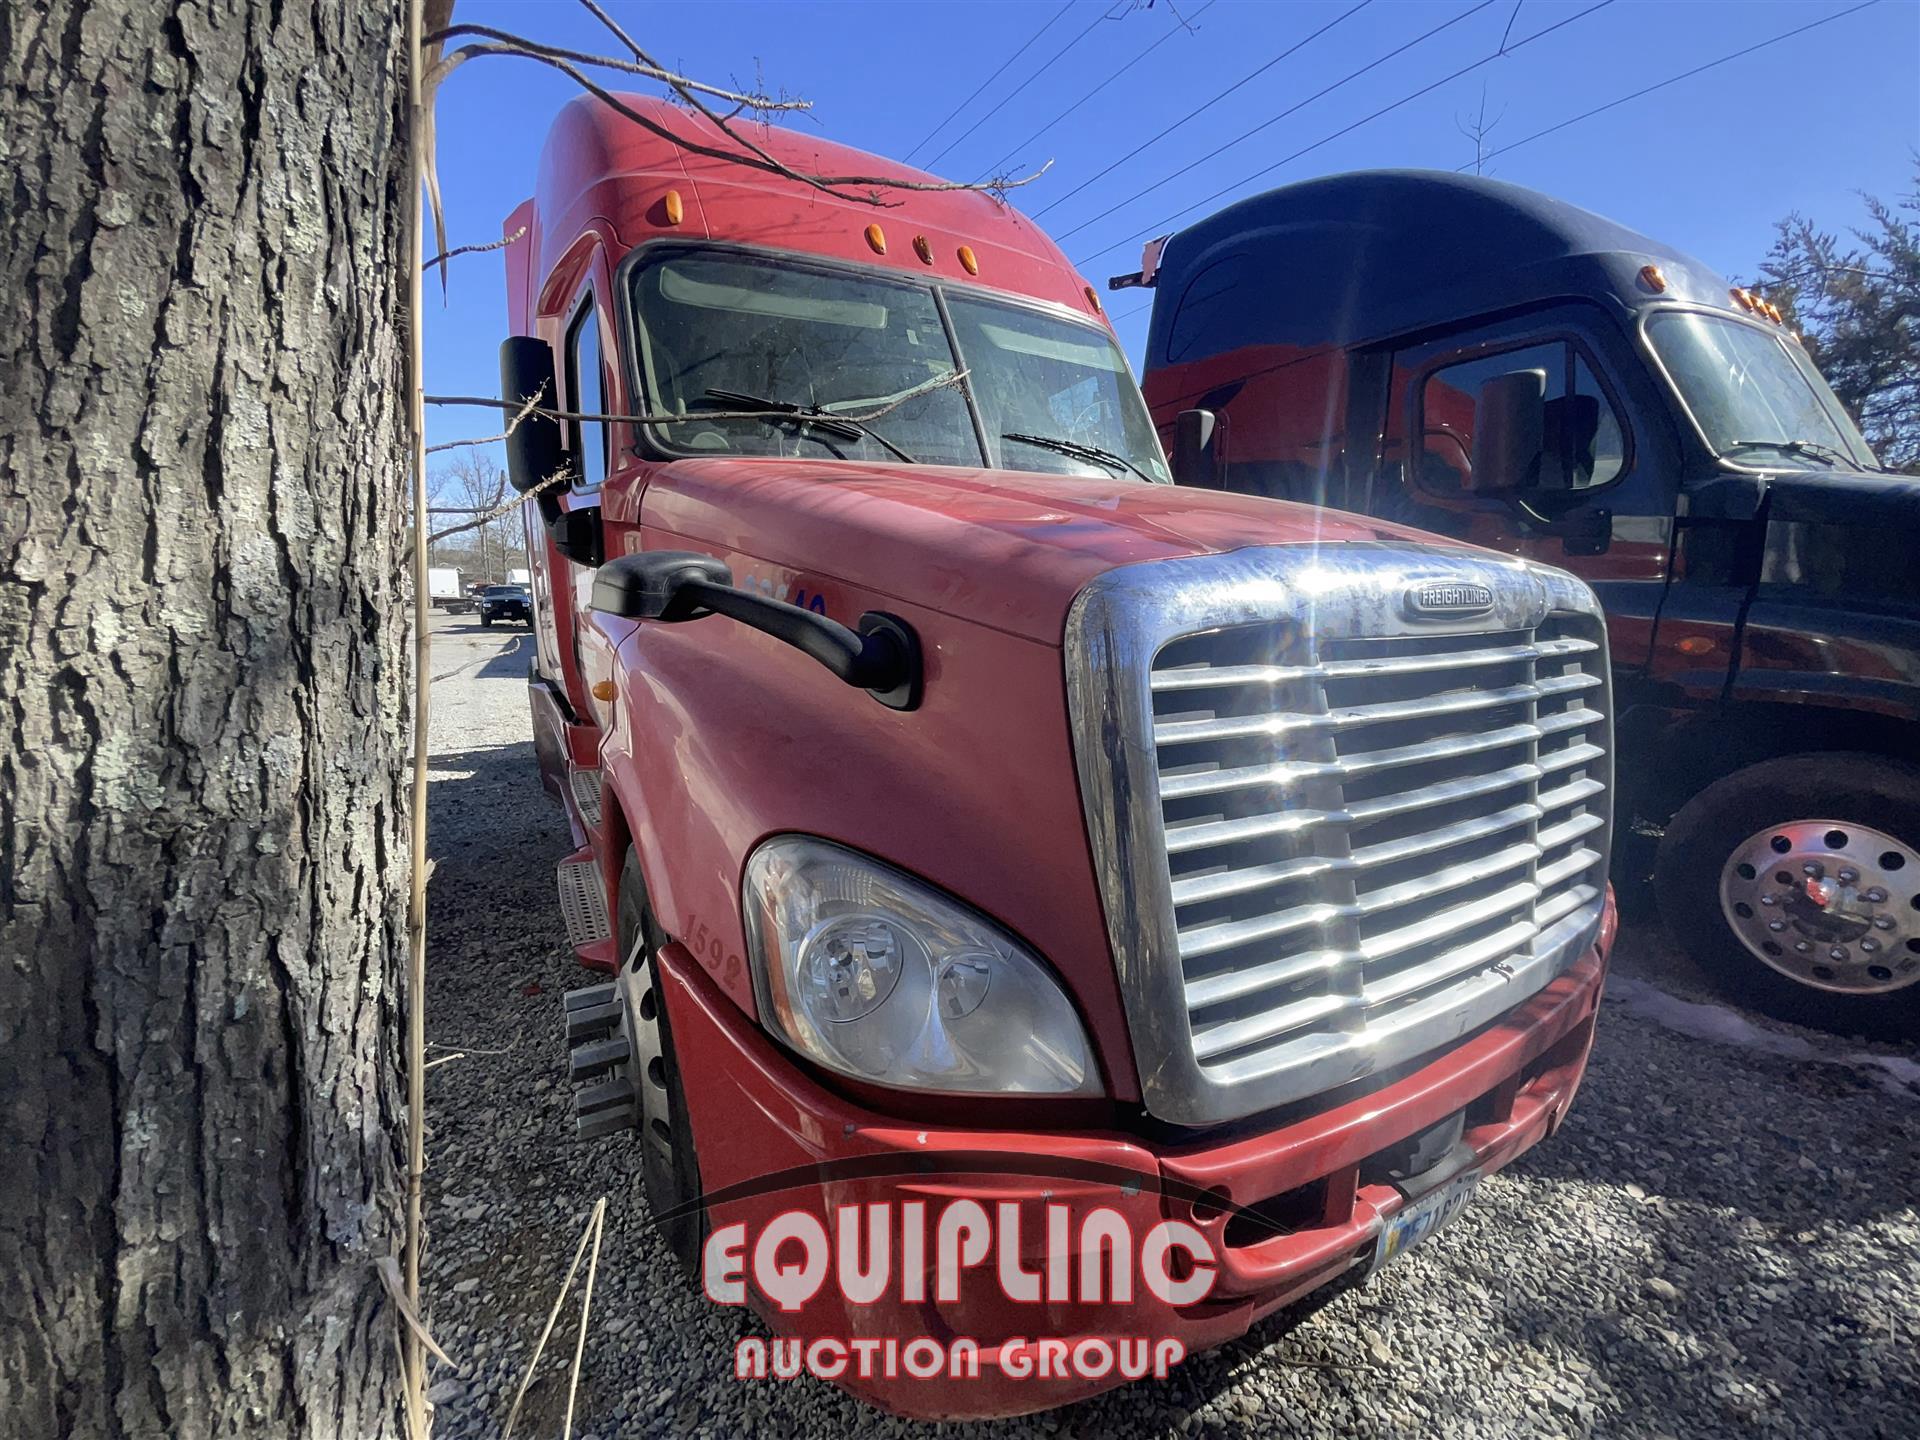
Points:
669	1170
1797	883
486	621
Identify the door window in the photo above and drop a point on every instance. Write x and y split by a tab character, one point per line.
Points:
587	391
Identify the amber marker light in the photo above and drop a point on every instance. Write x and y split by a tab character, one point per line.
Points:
605	690
1092	299
923	247
675	208
1743	298
1652	278
968	262
877	239
1694	645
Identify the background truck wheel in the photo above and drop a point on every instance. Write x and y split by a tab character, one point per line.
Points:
669	1168
1797	883
487	621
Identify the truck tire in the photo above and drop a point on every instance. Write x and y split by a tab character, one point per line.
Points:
1796	883
669	1169
487	621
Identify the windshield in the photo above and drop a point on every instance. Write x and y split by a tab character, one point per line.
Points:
505	592
846	360
1754	393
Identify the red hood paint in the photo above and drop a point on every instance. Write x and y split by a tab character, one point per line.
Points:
1000	548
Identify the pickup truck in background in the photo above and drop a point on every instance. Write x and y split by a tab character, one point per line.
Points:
967	817
1491	364
506	604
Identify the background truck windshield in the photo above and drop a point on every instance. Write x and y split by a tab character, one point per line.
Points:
1755	394
720	332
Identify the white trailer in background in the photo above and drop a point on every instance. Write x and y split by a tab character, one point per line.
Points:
444	590
519	577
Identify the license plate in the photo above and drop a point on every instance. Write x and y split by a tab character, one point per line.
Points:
1415	1221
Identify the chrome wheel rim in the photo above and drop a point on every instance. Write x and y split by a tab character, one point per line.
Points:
1830	904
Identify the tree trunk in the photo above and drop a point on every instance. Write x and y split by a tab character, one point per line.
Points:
203	714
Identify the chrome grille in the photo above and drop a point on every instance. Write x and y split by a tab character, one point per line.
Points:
1350	833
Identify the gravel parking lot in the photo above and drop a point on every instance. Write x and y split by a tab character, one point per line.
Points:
1723	1240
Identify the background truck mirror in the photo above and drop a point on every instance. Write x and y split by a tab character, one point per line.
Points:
1195	458
882	657
1509	433
1570	426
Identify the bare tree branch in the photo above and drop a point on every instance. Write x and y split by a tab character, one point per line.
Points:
939	382
679	88
525	410
640	65
833	185
446	255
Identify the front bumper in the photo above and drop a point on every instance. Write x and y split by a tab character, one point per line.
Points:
771	1139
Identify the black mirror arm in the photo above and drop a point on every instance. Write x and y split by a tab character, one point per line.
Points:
879	657
882	657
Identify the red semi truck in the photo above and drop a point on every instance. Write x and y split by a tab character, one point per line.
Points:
983	834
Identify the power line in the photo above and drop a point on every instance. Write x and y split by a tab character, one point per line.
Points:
1007	98
1273	120
995	168
990	79
1346	130
1684	75
1195	113
1611	104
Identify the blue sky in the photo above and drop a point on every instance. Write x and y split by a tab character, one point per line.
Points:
1706	165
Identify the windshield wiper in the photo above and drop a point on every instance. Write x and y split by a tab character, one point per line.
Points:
846	427
1079	451
1812	449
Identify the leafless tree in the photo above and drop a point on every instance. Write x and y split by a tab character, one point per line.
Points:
469	482
1478	128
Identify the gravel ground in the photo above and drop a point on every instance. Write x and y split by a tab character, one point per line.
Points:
1723	1239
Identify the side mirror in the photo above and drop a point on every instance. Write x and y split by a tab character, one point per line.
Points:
882	657
534	452
1196	460
1509	433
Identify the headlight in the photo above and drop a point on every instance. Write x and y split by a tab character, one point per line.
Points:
878	976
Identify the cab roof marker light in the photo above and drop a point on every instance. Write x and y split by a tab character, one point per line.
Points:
923	247
968	261
1653	278
1092	299
673	207
877	239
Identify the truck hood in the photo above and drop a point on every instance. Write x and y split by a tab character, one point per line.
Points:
1001	548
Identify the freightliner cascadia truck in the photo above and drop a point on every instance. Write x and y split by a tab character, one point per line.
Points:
1493	365
980	829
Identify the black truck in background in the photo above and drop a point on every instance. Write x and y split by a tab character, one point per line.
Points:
1486	362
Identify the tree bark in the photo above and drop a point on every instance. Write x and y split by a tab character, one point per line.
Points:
203	714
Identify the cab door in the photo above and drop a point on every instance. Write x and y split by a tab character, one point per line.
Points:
1603	505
